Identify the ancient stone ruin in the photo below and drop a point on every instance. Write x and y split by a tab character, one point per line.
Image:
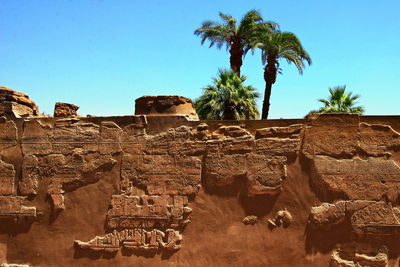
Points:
163	190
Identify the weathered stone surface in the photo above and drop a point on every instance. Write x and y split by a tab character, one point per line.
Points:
375	218
378	218
283	217
328	214
369	179
16	103
378	140
14	265
148	172
234	132
13	207
278	140
136	239
110	138
162	174
58	202
265	174
35	138
331	134
291	132
356	255
72	135
7	179
8	133
148	211
65	110
251	219
221	170
165	105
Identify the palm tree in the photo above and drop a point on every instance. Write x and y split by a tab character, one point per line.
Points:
340	102
235	37
227	99
274	46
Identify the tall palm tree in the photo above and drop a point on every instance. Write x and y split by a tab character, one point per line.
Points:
235	37
340	102
227	99
276	45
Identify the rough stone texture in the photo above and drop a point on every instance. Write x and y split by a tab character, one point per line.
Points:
7	179
372	218
283	217
378	140
165	191
8	134
16	104
332	135
13	207
352	255
370	179
250	220
14	265
65	110
165	105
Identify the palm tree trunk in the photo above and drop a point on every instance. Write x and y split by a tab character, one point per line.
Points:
270	78
236	53
229	113
266	104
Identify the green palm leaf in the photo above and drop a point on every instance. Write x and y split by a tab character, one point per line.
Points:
340	102
228	99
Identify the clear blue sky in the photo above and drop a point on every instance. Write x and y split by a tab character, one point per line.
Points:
103	54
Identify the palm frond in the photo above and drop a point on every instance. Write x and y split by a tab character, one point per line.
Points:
226	95
340	102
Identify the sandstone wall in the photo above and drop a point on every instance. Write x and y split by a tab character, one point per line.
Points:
165	191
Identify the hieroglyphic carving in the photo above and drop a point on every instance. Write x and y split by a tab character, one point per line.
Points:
160	172
349	255
136	238
13	207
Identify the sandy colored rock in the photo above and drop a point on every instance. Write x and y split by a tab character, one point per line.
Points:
14	265
13	207
150	191
8	133
264	174
357	255
65	110
378	140
165	105
251	219
368	218
282	218
332	134
369	179
291	131
16	104
7	179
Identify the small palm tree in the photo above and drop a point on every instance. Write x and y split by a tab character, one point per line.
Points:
276	45
340	102
227	99
235	37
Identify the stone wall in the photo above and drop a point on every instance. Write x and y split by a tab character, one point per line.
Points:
149	190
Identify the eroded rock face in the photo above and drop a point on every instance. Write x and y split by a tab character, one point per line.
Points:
161	172
376	218
369	179
359	255
165	105
65	110
354	166
251	219
151	170
16	104
282	218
